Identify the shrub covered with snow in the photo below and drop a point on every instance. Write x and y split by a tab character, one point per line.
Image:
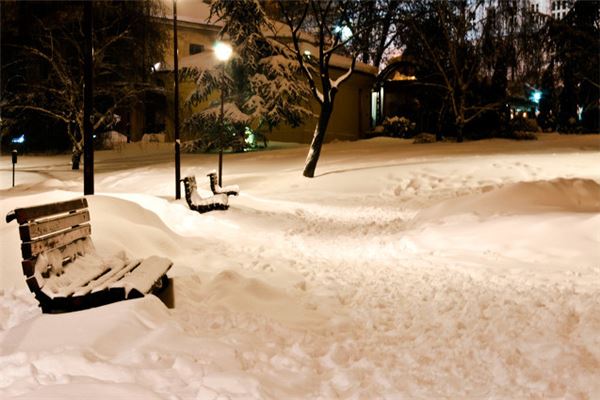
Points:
524	124
398	127
110	140
424	138
154	138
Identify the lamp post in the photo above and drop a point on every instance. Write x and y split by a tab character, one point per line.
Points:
88	98
176	105
223	53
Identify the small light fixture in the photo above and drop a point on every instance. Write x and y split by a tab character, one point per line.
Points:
536	96
18	140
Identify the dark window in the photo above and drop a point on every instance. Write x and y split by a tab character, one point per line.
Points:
196	48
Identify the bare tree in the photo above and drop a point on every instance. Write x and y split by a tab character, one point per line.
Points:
383	21
121	53
470	49
333	27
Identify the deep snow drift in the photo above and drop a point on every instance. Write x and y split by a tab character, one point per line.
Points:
401	271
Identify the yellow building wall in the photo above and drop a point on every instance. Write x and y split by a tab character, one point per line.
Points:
190	34
351	114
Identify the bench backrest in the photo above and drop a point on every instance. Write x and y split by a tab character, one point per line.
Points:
190	185
52	235
214	181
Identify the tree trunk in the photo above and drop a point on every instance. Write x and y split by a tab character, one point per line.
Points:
459	132
75	159
461	117
317	142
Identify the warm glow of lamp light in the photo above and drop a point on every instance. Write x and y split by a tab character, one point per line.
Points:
222	51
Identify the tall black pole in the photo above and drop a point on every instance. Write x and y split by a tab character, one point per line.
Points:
176	105
88	95
222	127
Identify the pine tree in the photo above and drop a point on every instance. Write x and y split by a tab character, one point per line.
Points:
261	83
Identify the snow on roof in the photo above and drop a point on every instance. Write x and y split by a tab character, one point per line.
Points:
282	31
194	11
198	12
340	61
207	60
204	60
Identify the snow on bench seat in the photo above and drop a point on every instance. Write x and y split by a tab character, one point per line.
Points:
144	277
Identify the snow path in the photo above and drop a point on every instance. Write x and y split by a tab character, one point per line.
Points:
400	272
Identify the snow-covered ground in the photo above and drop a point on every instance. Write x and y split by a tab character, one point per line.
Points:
401	271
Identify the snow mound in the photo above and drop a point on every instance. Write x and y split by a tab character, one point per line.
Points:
91	391
557	195
236	292
104	331
123	225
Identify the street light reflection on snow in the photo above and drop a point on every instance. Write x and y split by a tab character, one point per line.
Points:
222	51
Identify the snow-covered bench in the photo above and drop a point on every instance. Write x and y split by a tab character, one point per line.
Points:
63	269
200	204
232	190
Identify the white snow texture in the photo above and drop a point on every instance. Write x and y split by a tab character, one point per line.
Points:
401	271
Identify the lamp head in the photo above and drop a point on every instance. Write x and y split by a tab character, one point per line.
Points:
222	51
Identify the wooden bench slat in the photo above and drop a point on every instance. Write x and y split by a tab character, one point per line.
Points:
145	275
60	239
36	229
69	253
102	282
29	213
72	280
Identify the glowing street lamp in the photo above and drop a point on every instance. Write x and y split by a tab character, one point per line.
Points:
223	52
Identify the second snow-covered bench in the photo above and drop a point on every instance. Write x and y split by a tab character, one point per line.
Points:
64	271
231	190
202	204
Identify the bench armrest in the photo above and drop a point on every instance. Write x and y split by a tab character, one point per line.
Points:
10	216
